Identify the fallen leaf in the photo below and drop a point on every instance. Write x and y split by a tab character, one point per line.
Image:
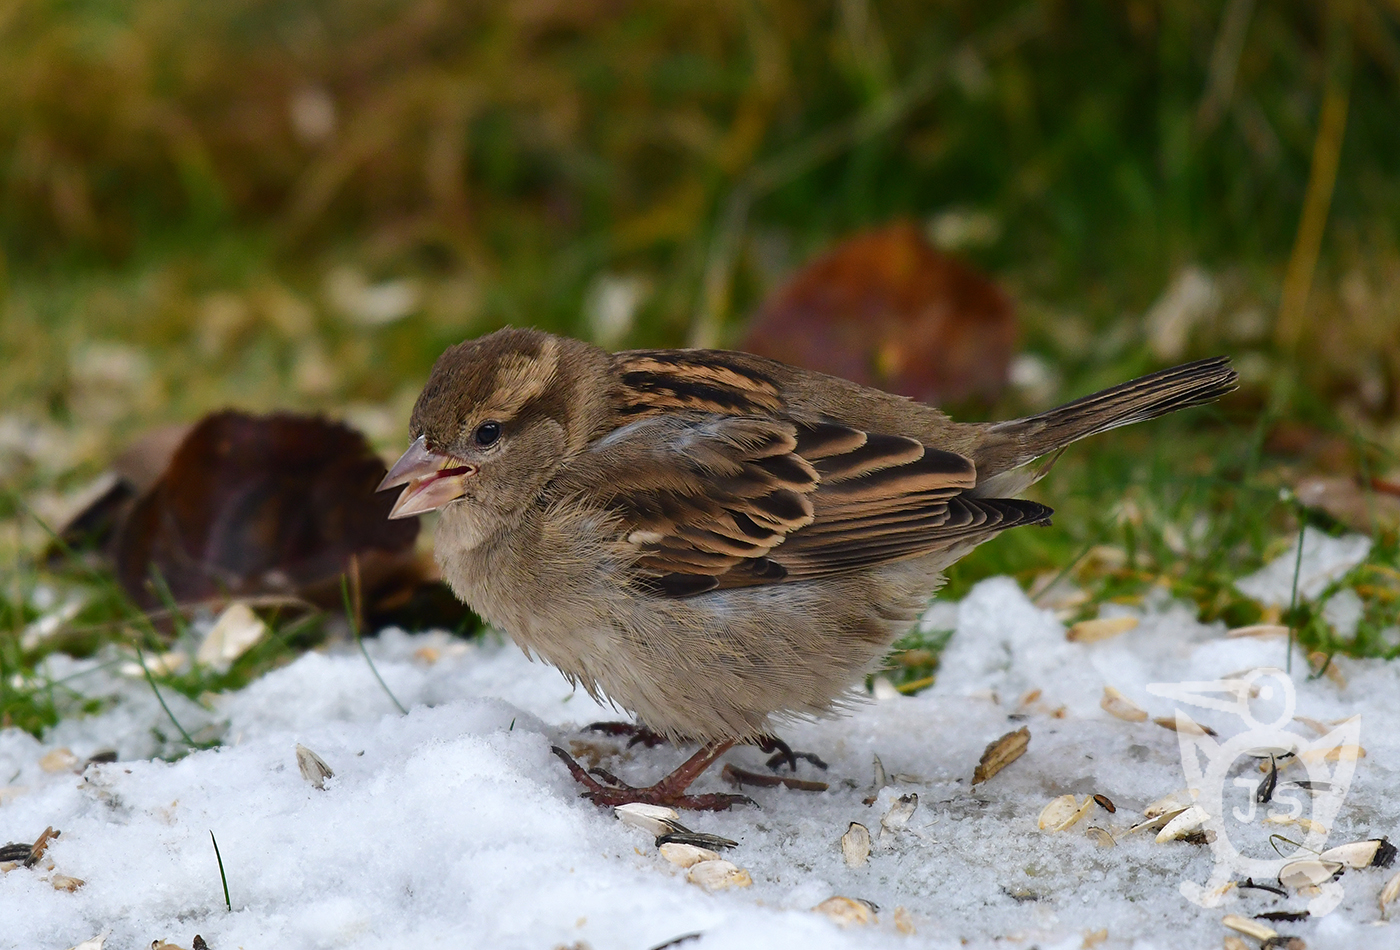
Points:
886	309
276	504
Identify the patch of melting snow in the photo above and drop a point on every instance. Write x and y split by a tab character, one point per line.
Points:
455	826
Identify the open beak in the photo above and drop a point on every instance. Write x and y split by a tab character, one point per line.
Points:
432	480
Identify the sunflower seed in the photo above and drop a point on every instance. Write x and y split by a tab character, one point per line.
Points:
1106	803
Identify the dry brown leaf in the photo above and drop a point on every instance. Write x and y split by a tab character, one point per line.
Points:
1001	753
886	309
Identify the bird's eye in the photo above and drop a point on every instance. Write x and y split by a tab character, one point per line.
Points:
487	433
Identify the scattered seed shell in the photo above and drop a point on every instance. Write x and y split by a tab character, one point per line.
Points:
1063	813
1184	724
1001	753
62	882
232	635
1309	872
1390	893
901	810
91	943
1175	802
1250	928
1334	753
58	760
698	839
1104	628
686	855
1235	943
1307	824
1057	811
847	911
1121	707
855	845
1100	836
718	875
656	820
1106	803
1258	630
1183	824
313	768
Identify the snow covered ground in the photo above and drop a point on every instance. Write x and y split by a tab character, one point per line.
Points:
454	826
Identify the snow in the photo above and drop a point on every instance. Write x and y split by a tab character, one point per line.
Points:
454	825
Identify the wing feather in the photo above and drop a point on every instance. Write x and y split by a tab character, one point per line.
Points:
714	486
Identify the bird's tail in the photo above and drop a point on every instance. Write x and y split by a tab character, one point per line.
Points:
1012	444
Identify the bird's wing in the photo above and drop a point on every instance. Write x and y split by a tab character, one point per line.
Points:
712	501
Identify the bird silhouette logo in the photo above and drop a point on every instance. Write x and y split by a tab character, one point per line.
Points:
1248	786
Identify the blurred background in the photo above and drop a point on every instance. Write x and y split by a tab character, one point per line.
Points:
996	205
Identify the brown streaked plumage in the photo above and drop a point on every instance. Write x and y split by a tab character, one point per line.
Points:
713	540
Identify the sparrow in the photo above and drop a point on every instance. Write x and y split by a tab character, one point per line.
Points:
712	540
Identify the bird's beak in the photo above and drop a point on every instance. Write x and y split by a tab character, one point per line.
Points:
433	480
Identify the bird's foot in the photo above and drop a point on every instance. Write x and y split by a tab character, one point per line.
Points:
782	753
670	791
640	734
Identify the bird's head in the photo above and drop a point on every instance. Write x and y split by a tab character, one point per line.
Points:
497	417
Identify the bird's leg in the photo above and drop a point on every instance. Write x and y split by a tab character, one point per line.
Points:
669	791
640	734
782	753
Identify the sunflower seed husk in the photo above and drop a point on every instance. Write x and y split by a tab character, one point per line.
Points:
847	910
1184	724
1389	894
1183	824
1001	753
313	768
1103	628
656	820
686	855
698	839
1250	928
1175	802
1235	943
855	845
1106	803
1258	630
901	810
1121	707
62	882
1309	872
1100	836
1063	813
718	875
